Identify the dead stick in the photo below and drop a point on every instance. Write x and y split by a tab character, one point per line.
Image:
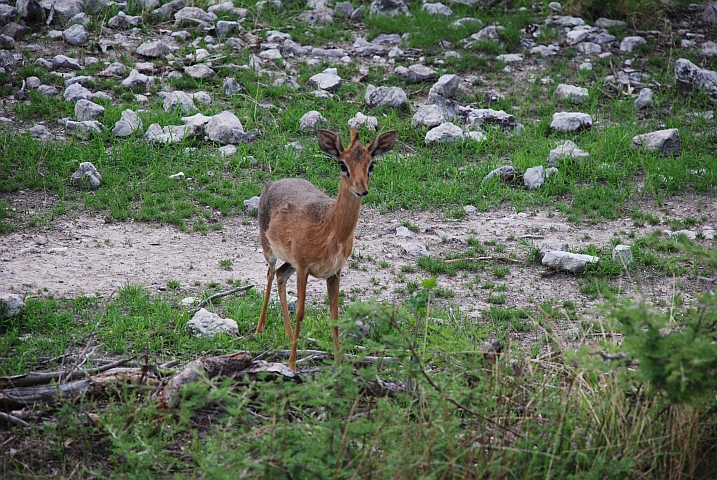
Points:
32	380
223	294
14	420
321	355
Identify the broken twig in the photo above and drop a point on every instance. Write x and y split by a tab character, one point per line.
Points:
222	294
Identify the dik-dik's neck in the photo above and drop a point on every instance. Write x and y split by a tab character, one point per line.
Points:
344	215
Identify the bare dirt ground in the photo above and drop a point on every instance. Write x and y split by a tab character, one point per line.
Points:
82	254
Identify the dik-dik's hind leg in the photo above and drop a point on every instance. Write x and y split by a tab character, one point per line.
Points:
269	280
332	285
282	276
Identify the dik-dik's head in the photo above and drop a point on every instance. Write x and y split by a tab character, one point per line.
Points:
356	161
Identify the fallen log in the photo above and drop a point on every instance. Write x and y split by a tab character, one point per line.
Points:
97	385
202	367
33	379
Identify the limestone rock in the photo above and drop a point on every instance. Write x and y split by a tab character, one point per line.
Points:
11	304
665	142
207	324
153	49
87	171
689	77
629	44
534	177
327	80
447	86
388	7
128	123
385	96
225	128
310	121
136	79
180	100
360	120
644	100
87	110
572	93
444	133
622	254
564	151
571	262
420	73
571	121
506	173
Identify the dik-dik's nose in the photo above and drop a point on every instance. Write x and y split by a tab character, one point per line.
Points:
361	194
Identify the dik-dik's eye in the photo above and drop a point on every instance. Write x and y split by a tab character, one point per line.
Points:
344	169
370	169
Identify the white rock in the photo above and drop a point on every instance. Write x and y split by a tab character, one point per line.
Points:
360	120
622	254
570	121
207	324
644	100
444	133
629	44
534	177
199	71
11	305
87	110
88	171
310	121
414	249
665	142
564	151
572	262
225	128
128	123
572	93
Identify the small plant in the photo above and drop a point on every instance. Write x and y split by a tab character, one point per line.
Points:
501	272
173	284
225	264
411	226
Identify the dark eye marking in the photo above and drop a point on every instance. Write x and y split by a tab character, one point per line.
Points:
344	169
370	168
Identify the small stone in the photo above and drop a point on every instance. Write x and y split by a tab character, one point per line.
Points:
589	48
153	49
571	93
310	121
76	92
444	133
87	171
227	151
437	9
76	35
420	73
48	90
391	8
622	254
629	44
360	120
385	96
607	23
414	249
225	128
252	205
470	209
403	232
136	79
207	324
64	62
180	100
40	132
665	142
644	100
571	121
11	305
326	80
177	176
429	116
565	151
534	177
231	86
571	262
128	123
87	110
510	58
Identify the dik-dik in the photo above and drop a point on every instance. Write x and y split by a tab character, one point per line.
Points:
312	233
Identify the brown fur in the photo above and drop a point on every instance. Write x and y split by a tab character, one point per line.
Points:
312	233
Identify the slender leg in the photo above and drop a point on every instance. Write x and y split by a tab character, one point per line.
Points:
332	285
282	276
269	280
302	276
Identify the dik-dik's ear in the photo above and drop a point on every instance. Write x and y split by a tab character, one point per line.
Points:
383	143
330	143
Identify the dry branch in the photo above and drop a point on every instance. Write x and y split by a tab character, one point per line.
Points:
203	366
14	420
320	356
33	379
222	294
93	386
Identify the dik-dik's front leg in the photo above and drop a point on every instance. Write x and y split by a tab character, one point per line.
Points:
269	280
332	285
302	277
